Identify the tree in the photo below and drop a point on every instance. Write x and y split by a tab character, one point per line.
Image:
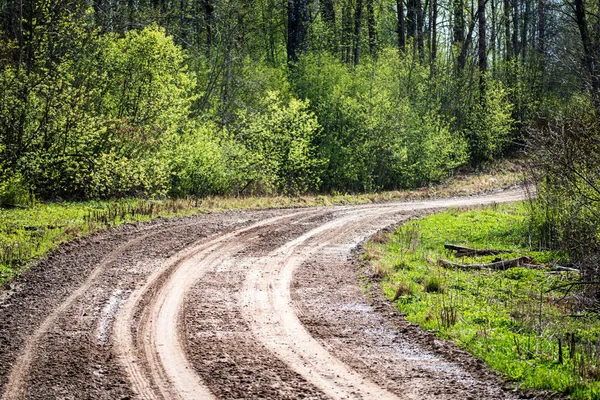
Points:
296	29
372	28
482	49
400	27
590	52
358	17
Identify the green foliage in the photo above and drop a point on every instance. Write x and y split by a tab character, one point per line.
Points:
206	161
511	319
97	130
13	191
380	134
96	106
489	132
281	143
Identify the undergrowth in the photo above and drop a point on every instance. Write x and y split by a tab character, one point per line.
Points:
525	323
29	233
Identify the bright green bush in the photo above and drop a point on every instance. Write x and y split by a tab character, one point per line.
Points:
281	142
100	127
383	130
206	161
491	124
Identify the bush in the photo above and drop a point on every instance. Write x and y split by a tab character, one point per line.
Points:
384	129
98	129
281	146
13	190
206	161
565	156
488	132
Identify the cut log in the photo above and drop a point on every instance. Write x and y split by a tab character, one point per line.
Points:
496	266
462	251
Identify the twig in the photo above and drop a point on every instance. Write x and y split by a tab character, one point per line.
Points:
571	284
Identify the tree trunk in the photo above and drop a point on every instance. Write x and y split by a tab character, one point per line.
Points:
357	28
328	12
346	32
589	52
458	28
411	19
493	36
458	32
462	57
508	45
372	28
208	9
541	40
542	27
515	37
420	23
525	30
401	27
296	29
482	48
434	15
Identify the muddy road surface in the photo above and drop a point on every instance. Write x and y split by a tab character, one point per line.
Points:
250	304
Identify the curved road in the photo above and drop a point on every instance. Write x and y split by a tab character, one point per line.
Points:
260	304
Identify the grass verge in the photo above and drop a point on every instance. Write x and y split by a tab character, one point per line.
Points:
525	323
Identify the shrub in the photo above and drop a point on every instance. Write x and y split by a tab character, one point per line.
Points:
206	162
281	142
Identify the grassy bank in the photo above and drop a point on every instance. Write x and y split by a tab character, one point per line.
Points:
526	323
29	233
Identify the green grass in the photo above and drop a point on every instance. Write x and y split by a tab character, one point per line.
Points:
29	234
513	319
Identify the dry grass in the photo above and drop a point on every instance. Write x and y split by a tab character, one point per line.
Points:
402	290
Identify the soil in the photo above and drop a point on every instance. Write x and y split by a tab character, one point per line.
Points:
249	304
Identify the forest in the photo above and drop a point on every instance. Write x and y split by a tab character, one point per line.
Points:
108	99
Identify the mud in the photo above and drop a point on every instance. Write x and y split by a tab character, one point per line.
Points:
255	304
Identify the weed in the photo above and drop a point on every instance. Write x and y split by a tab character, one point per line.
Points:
448	316
402	290
381	271
401	265
380	238
433	284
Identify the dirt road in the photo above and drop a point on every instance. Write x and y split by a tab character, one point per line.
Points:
260	304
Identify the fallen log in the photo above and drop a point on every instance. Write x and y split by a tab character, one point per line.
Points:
496	266
462	251
564	269
552	267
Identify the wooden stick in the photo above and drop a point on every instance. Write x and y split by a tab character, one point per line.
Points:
497	266
462	251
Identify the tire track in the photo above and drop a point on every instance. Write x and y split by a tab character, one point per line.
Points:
272	314
156	361
166	348
16	385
